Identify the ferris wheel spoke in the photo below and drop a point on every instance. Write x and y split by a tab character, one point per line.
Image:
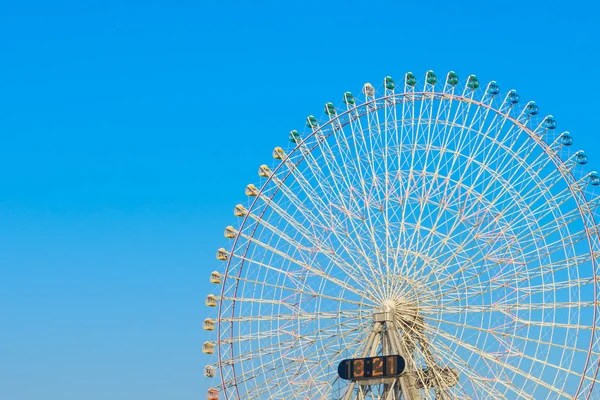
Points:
285	348
281	234
453	232
522	323
508	283
268	367
304	265
484	251
508	307
473	376
320	369
371	201
258	300
310	316
304	363
318	220
316	244
431	178
536	214
313	240
426	240
390	130
286	388
558	226
343	237
540	197
555	246
361	148
457	185
467	264
310	268
368	198
349	346
273	350
403	136
513	350
556	286
406	188
506	278
483	169
282	347
505	365
299	290
259	335
484	382
375	195
416	135
542	231
436	173
289	388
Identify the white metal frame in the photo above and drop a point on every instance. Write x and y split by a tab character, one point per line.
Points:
455	202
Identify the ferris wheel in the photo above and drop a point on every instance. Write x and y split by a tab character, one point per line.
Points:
431	240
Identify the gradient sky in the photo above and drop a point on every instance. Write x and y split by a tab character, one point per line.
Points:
130	129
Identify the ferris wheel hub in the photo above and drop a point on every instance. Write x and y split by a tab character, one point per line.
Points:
402	314
390	305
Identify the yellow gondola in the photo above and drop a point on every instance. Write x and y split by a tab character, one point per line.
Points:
229	232
264	171
240	211
278	153
209	324
222	254
215	277
208	348
211	300
251	190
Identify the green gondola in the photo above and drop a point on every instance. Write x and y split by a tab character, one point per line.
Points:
349	98
330	109
472	82
311	122
431	78
452	78
295	137
389	83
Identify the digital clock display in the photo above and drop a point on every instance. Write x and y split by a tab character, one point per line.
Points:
378	366
371	367
391	365
358	368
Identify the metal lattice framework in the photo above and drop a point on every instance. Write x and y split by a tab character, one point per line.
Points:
456	210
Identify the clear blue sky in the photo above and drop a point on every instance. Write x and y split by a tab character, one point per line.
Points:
130	129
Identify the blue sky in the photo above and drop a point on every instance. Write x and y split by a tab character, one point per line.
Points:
130	129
